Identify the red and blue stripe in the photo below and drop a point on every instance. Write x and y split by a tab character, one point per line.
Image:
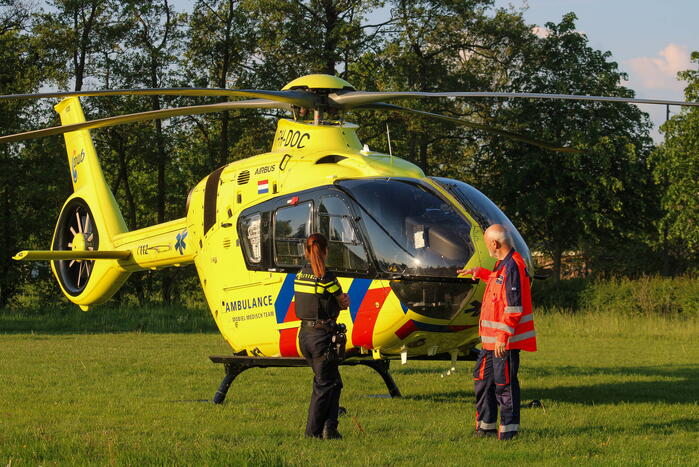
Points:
365	306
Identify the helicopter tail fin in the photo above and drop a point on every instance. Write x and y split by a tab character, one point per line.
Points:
85	170
89	221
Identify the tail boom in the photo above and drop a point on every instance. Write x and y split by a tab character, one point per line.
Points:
158	246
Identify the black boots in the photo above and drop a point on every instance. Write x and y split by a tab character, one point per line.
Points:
331	433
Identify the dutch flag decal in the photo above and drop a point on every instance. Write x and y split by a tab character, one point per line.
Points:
262	187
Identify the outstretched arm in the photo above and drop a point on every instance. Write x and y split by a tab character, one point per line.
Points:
477	273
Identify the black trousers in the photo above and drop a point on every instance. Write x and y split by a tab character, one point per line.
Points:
496	385
327	384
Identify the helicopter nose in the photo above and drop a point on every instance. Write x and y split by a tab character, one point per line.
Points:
434	299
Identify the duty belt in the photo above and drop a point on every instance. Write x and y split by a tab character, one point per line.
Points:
327	324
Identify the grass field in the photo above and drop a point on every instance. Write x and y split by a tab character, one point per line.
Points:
616	391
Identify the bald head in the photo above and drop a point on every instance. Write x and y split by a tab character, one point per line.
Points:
497	239
498	233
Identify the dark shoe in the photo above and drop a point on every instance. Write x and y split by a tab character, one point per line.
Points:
331	433
507	436
486	433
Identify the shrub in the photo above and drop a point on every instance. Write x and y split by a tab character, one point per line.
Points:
646	295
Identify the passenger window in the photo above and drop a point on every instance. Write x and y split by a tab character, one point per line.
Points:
251	235
345	251
292	225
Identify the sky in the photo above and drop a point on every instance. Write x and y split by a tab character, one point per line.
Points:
651	40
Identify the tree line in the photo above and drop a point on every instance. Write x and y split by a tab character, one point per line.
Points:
626	205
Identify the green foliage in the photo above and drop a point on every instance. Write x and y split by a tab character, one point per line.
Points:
668	296
675	166
73	33
603	202
602	194
664	296
298	37
67	318
222	40
562	295
23	207
438	45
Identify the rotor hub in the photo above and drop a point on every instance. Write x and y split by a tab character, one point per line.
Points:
319	82
79	242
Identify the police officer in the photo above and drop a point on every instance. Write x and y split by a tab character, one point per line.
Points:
319	299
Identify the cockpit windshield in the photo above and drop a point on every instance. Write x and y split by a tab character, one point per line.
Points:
485	212
413	231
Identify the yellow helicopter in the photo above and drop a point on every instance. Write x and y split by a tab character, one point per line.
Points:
396	236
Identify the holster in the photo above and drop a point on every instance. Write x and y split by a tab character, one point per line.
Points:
336	349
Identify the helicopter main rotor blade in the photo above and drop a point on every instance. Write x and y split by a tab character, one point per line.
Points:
477	126
349	99
144	116
293	97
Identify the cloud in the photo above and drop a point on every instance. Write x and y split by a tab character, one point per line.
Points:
541	32
660	72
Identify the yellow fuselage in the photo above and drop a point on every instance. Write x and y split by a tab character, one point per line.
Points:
254	306
254	309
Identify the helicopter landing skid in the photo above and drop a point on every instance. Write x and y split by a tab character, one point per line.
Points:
235	365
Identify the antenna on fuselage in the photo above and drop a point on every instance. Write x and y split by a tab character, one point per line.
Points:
388	134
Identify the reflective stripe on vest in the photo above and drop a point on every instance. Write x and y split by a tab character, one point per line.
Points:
496	325
521	337
311	289
526	318
516	338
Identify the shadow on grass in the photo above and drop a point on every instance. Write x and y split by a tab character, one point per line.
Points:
689	425
668	384
668	427
451	396
419	371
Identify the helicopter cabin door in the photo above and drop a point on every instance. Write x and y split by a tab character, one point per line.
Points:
272	237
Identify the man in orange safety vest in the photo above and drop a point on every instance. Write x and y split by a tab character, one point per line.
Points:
506	327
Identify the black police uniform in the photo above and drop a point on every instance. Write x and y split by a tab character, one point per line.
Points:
317	307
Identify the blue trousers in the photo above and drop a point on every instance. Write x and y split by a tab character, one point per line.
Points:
327	383
496	386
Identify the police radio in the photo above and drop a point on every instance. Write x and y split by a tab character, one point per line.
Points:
336	349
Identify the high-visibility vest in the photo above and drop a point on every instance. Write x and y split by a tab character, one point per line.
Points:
506	312
316	298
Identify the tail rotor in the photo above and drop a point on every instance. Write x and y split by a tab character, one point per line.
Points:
75	231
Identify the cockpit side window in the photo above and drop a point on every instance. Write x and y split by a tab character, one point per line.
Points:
413	231
292	225
334	220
